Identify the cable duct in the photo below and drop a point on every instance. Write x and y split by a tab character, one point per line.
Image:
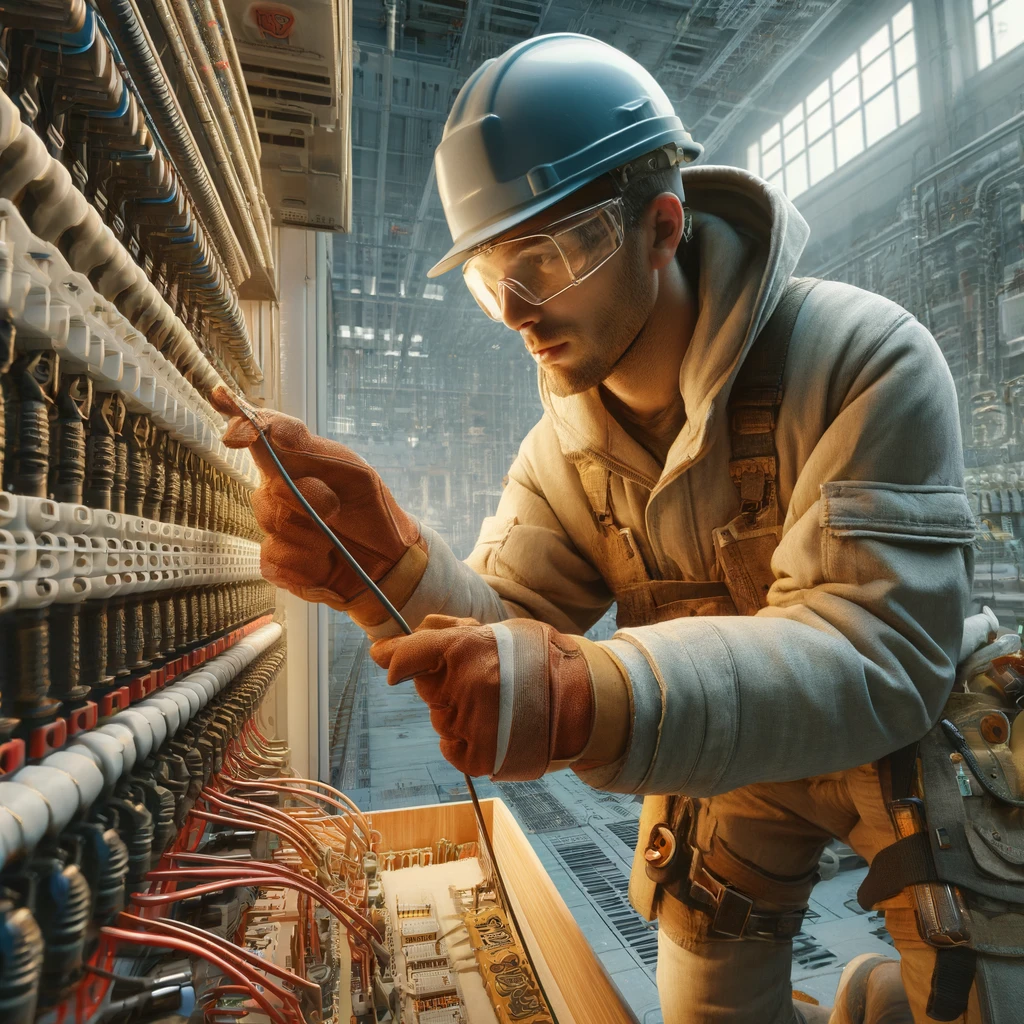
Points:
191	55
176	133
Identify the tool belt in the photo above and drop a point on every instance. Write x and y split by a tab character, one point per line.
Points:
963	862
676	864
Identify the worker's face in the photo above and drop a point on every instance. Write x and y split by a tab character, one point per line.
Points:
578	337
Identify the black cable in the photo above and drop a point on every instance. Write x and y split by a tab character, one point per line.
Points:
404	626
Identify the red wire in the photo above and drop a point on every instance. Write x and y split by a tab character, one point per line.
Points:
250	875
256	961
170	942
240	957
240	803
269	784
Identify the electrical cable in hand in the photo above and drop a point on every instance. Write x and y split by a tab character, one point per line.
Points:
405	628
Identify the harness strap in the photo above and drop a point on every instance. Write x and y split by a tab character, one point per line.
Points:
906	862
952	978
755	400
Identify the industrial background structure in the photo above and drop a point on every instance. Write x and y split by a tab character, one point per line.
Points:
196	193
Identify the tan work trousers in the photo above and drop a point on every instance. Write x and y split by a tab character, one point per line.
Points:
765	840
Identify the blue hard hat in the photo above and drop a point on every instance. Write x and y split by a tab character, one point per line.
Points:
532	126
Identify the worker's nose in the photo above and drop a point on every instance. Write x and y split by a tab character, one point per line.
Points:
516	312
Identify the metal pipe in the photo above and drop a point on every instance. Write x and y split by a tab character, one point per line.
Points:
200	60
391	27
212	133
238	102
972	147
174	129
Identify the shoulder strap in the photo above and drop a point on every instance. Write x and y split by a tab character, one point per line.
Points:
755	401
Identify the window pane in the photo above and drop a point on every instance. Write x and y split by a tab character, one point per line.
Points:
793	118
1008	19
904	21
822	160
771	161
819	96
876	76
844	72
980	7
880	116
796	176
846	100
983	42
905	53
795	142
776	179
876	45
770	137
909	99
753	160
849	138
819	122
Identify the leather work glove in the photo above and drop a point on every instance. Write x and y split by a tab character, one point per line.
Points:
348	495
515	699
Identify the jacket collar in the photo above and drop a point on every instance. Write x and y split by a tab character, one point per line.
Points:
749	238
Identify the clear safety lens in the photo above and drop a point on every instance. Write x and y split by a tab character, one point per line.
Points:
539	267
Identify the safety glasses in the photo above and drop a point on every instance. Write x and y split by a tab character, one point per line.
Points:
538	267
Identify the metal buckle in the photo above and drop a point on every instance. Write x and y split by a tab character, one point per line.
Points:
732	914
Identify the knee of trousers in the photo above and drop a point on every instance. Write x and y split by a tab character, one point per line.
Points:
724	981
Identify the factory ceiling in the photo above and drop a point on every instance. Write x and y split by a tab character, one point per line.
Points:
716	59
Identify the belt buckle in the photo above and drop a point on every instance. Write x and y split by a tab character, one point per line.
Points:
732	913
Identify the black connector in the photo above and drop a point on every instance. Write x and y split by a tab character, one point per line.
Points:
68	447
21	961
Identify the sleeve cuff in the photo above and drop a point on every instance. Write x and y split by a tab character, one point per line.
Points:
609	735
447	586
684	729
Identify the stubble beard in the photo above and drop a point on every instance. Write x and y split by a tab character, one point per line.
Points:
631	305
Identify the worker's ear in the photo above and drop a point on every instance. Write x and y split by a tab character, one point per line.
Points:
663	222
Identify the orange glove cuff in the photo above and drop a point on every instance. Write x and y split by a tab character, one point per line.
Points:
398	586
612	710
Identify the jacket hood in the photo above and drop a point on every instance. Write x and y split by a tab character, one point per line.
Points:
749	237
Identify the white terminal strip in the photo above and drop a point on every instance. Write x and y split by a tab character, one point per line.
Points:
42	799
58	552
53	307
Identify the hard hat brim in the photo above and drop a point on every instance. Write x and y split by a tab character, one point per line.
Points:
464	247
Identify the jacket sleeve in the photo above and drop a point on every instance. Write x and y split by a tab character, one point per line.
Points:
855	653
524	563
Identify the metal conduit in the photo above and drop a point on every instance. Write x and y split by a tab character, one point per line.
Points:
217	51
212	134
236	67
177	135
191	55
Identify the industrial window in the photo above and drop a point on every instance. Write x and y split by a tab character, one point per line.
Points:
998	29
867	97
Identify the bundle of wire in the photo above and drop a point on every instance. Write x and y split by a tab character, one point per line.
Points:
323	838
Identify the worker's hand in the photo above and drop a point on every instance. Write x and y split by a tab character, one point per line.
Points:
346	493
512	700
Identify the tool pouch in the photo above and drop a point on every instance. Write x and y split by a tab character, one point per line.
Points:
973	840
669	849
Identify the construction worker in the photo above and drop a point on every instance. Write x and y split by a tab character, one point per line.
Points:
763	472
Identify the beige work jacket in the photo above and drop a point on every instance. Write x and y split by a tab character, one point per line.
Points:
854	655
